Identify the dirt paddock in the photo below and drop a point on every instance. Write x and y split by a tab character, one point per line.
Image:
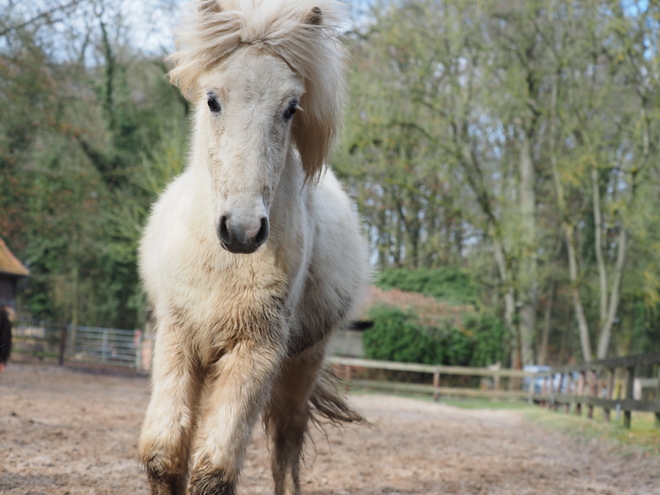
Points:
65	432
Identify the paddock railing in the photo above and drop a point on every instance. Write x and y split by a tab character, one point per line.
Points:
37	338
106	346
607	383
83	344
520	383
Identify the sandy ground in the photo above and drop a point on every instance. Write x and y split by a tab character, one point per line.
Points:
65	432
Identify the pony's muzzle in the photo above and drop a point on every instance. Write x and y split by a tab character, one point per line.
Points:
236	237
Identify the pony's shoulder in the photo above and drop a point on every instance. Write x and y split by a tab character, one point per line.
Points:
329	189
172	215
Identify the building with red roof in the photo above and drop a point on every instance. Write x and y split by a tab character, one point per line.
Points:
11	270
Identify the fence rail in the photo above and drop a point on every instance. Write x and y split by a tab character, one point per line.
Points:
37	338
107	346
571	386
83	344
595	384
521	391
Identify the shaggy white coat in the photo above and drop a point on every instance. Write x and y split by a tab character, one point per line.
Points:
244	334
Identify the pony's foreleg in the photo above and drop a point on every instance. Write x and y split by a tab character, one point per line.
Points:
170	419
287	417
242	382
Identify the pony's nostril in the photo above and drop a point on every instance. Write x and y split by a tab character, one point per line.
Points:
236	239
262	235
223	231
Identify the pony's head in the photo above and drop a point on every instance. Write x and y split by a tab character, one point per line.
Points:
262	74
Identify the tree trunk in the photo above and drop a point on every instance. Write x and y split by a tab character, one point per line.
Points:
528	264
583	326
509	303
547	317
615	297
598	247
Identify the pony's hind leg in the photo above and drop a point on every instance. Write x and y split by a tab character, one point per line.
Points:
170	419
288	415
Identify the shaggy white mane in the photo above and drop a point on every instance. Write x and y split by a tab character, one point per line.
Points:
305	33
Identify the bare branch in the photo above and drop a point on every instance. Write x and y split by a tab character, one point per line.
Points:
42	15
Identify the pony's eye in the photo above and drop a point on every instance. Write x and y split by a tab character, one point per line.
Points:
288	113
214	106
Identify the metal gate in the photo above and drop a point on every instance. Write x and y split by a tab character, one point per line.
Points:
108	346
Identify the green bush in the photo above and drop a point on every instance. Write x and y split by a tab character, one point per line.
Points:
398	335
448	284
490	339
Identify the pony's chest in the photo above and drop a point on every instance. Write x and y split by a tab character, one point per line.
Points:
216	289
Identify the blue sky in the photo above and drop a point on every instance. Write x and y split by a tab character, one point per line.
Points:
162	39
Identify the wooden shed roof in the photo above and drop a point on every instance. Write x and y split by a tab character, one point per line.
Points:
429	310
9	264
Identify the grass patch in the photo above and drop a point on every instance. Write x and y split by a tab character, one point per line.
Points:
642	436
472	403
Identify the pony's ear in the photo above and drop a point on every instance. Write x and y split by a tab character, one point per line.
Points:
314	17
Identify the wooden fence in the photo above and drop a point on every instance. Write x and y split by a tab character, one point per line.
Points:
595	384
608	383
346	368
592	384
39	339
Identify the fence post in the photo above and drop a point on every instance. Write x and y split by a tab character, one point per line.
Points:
436	385
657	397
63	333
580	392
104	345
630	379
592	392
610	392
551	401
569	392
558	389
552	404
544	391
72	330
137	344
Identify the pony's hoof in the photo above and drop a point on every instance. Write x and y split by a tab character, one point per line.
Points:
211	484
162	482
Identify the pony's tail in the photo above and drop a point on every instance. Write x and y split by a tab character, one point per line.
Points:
327	402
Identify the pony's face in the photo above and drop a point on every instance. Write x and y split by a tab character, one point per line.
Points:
246	111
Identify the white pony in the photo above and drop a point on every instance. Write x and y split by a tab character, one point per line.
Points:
253	255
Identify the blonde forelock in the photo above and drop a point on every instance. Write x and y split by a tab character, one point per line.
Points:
308	41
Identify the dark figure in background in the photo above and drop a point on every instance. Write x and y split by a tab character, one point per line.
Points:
5	337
